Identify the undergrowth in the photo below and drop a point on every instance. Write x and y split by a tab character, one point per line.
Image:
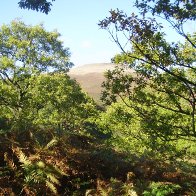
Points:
79	165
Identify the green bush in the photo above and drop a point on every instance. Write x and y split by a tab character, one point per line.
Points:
161	189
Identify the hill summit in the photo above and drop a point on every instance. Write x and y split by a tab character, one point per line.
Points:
90	77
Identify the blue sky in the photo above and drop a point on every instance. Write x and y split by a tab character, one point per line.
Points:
77	21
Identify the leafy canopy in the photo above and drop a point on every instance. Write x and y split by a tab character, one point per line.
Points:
162	91
34	87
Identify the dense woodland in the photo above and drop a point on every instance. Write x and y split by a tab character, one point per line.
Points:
56	140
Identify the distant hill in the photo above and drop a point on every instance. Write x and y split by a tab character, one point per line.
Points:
90	77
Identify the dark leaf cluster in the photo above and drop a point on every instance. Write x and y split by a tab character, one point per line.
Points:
38	5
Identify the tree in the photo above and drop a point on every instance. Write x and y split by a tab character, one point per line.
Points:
38	5
123	126
175	12
26	54
162	91
57	102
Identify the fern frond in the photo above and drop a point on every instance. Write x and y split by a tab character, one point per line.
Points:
52	178
22	157
9	161
90	192
102	192
39	172
51	186
52	143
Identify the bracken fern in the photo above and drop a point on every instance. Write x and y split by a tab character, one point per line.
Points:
38	172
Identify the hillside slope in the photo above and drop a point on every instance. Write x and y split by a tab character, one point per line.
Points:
90	77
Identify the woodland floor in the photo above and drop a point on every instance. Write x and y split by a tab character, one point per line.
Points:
89	168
